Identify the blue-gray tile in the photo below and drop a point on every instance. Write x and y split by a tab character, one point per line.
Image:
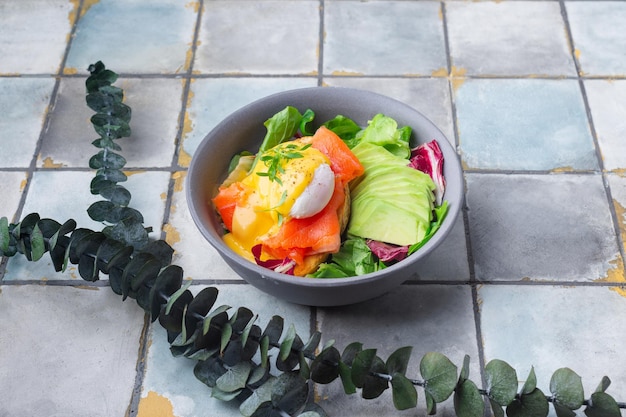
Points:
430	96
23	105
171	380
607	101
383	38
259	37
64	195
508	38
155	103
429	318
134	36
67	351
12	185
212	99
524	124
598	37
540	227
34	43
548	328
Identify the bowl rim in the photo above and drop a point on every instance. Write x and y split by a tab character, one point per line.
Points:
284	97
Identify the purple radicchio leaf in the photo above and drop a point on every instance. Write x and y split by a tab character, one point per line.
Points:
387	252
284	266
428	158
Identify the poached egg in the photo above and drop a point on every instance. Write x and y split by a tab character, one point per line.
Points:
291	180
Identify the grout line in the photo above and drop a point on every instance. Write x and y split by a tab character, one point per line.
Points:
594	134
320	47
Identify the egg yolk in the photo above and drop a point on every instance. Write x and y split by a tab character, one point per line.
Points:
271	189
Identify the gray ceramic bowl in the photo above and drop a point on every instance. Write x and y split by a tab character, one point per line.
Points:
244	130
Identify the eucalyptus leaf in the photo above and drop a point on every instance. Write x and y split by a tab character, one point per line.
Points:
403	392
168	281
602	405
533	404
274	329
287	343
374	385
37	244
440	375
290	392
312	343
398	361
345	373
468	402
361	366
325	367
4	235
234	378
567	388
531	382
501	381
224	395
227	332
108	160
261	395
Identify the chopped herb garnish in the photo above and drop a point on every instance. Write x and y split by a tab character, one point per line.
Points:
277	157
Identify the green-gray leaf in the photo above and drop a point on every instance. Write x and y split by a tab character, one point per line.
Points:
403	392
602	405
440	375
501	382
533	404
468	402
567	388
235	378
531	382
398	361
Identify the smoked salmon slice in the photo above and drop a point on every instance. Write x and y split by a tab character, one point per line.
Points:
320	233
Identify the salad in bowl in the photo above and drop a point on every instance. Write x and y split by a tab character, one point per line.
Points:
325	196
338	201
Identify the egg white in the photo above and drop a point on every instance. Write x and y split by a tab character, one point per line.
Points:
316	195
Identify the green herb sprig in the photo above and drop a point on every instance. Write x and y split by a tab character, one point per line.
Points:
225	345
276	158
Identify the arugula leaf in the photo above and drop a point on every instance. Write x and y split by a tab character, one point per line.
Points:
345	128
280	127
354	258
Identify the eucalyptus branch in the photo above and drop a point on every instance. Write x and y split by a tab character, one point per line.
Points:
226	346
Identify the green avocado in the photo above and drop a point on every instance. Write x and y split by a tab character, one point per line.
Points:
391	202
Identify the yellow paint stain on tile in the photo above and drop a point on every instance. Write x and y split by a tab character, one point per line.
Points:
457	77
23	182
179	180
86	6
620	172
440	73
87	287
195	5
562	169
70	70
130	173
49	163
347	73
620	211
172	236
615	274
163	196
155	405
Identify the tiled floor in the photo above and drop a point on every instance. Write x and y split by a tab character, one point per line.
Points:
532	93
